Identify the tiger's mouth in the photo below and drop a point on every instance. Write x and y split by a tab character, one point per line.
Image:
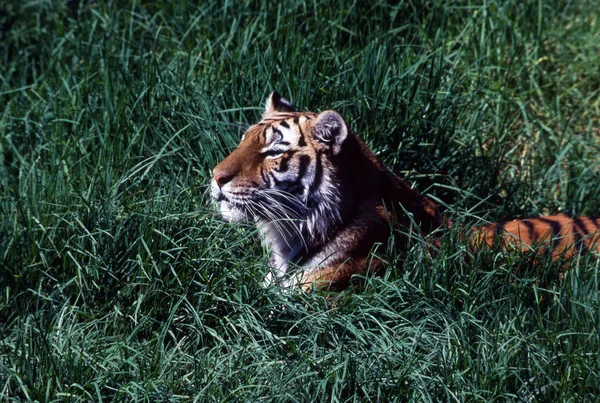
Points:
233	211
258	205
220	197
235	199
233	206
245	204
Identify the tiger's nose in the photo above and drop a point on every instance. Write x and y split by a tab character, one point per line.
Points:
222	178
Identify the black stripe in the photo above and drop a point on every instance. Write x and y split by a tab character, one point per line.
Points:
318	173
302	141
304	161
577	221
293	186
275	180
499	230
529	226
556	230
285	124
283	166
264	177
578	230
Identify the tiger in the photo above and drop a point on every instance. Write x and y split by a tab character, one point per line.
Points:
322	201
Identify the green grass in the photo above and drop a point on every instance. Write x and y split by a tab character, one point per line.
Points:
120	283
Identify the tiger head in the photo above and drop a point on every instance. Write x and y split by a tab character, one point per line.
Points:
284	171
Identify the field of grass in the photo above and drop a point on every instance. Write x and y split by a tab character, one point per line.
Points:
119	282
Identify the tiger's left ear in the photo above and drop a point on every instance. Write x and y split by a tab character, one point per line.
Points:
331	129
276	103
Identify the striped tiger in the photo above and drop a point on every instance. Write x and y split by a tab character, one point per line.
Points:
322	200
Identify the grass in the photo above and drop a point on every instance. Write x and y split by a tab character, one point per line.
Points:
120	283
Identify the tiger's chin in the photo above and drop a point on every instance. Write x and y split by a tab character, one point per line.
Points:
232	213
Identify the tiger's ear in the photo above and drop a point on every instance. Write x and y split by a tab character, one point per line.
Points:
331	129
276	103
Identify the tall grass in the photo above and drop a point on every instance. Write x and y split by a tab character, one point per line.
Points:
120	283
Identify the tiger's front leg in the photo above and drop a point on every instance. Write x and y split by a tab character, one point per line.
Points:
329	278
277	270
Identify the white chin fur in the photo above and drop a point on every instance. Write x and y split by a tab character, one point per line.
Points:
229	214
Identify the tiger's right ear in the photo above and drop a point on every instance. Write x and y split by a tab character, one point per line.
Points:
276	103
331	129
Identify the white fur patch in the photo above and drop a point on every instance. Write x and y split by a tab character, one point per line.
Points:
229	214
